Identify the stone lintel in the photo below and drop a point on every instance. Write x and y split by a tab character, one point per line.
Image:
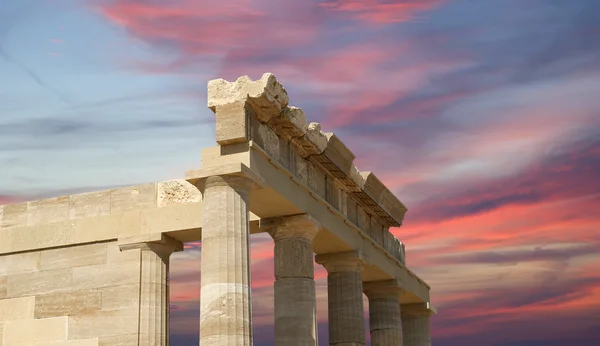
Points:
419	308
375	289
140	241
292	226
341	261
236	169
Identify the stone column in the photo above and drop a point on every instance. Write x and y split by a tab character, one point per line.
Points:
154	285
384	312
344	289
225	305
415	324
295	301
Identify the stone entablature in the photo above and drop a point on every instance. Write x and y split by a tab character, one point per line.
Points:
258	111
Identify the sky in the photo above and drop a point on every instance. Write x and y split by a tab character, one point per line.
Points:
482	116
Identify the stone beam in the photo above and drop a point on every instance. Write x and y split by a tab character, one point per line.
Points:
284	185
172	207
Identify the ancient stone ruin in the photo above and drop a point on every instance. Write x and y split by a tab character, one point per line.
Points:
92	269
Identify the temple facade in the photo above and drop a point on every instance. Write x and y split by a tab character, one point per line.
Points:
92	269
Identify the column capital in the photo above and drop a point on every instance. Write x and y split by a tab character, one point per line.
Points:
382	289
160	243
237	175
341	261
292	226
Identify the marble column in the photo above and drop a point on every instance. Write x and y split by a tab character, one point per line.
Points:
295	301
345	297
415	324
225	305
384	312
154	285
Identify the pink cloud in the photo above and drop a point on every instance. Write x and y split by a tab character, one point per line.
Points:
382	12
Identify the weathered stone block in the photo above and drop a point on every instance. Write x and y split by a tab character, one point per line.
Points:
119	340
232	123
47	210
19	263
266	96
120	297
106	275
16	309
83	342
30	332
175	192
352	210
3	288
42	236
14	215
89	205
284	153
364	222
68	303
108	227
387	201
73	256
290	123
266	138
301	169
376	231
338	153
312	143
316	180
172	218
333	193
134	197
103	323
42	282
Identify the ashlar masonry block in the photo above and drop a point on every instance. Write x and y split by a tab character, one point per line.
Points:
19	263
73	256
42	282
30	332
68	303
83	342
48	210
16	309
13	215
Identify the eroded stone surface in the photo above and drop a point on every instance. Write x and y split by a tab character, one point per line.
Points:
266	95
177	192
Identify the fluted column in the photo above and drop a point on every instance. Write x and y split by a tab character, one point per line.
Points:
295	301
154	285
415	324
384	312
344	289
225	306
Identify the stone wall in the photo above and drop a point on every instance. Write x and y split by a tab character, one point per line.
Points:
64	279
78	295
